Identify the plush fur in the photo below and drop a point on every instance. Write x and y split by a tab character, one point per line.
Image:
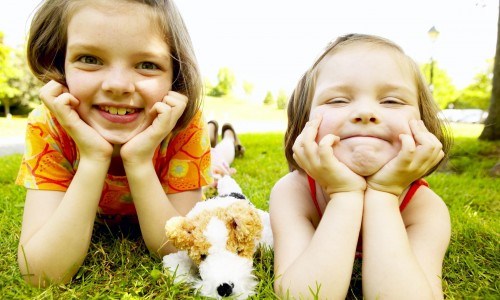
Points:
216	242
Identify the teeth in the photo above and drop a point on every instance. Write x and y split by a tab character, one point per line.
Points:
122	111
117	110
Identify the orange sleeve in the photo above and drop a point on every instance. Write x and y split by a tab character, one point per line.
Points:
50	155
187	163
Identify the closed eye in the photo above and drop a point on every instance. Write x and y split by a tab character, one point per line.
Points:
338	101
392	101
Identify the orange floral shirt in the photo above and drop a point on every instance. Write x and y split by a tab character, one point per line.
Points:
51	158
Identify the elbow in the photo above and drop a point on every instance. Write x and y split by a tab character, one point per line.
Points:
36	275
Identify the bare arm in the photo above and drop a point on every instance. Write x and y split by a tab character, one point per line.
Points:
402	256
154	207
401	262
305	257
57	227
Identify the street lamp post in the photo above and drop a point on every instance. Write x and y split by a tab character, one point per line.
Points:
433	34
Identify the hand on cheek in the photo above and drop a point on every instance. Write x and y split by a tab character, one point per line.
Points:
319	162
418	155
63	105
164	115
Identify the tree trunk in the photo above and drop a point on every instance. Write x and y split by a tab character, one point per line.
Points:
6	106
491	129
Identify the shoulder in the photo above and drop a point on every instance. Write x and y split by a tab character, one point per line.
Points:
193	138
291	196
427	213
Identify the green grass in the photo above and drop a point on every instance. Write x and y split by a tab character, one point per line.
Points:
119	267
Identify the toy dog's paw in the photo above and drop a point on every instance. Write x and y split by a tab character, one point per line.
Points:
181	266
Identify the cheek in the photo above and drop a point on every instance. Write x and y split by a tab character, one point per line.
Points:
153	91
78	86
330	123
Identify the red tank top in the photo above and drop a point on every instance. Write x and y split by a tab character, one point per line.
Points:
409	195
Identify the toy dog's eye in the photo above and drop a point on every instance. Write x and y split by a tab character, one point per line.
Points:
203	256
239	251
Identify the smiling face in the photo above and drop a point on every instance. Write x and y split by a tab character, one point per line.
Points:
117	65
366	95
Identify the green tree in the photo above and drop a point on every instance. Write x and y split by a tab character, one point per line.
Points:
248	87
282	99
443	89
269	99
478	93
8	73
226	83
491	129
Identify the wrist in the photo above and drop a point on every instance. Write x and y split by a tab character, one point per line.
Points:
346	195
394	190
386	192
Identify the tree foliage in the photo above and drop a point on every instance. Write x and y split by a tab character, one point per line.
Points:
225	85
18	86
443	89
248	87
282	99
478	93
269	99
8	73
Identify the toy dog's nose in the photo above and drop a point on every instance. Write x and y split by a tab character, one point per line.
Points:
225	289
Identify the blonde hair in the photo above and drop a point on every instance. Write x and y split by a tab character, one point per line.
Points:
46	48
299	105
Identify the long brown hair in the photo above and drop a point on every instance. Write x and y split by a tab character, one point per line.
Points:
299	105
46	48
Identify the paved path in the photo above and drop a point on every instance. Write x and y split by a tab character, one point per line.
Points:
10	146
13	145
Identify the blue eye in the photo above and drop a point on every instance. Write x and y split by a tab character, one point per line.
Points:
147	66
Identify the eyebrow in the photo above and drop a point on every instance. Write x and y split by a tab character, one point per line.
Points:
141	53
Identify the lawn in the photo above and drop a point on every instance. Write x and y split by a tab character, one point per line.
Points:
119	266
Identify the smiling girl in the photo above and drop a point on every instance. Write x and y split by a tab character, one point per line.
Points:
119	134
362	132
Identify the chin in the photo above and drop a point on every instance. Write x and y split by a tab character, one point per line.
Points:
364	171
116	139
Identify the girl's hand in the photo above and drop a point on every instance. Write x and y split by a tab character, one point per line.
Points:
141	147
418	155
319	162
63	105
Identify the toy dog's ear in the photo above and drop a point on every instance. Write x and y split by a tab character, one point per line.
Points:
245	228
180	232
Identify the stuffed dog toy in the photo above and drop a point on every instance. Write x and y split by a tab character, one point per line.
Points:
216	242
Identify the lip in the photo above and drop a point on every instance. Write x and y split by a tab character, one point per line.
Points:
116	118
362	136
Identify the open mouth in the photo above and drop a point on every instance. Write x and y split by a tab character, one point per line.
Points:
121	111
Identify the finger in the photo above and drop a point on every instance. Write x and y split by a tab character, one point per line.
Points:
325	149
407	153
177	101
309	139
50	91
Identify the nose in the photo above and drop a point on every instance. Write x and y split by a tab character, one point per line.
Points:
118	82
225	289
365	113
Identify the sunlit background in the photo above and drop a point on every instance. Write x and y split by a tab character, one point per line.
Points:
271	42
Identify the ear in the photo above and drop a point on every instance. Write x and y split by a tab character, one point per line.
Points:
245	228
179	231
